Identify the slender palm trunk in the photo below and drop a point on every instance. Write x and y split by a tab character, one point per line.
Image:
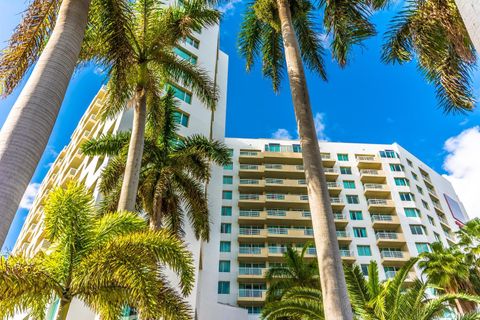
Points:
156	218
131	177
334	290
63	309
25	134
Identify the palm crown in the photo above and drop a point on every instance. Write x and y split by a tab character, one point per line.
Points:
173	171
107	262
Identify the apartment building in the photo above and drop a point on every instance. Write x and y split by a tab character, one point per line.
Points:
388	206
470	11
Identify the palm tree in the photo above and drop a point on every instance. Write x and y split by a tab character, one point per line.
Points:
106	261
449	269
395	300
50	36
296	303
137	51
433	31
296	271
173	171
284	32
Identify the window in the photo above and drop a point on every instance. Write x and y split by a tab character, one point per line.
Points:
396	167
437	237
180	93
420	190
422	247
225	246
226	211
430	219
407	196
254	309
228	166
224	266
223	287
185	55
412	212
192	41
227	195
349	184
388	154
425	205
417	229
272	147
360	232
356	215
352	199
296	148
410	163
181	118
401	182
226	228
227	180
364	268
342	157
230	152
415	176
345	170
364	251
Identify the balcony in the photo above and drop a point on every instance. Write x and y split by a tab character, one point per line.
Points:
251	215
251	273
337	204
285	156
252	234
385	221
331	174
251	295
334	188
276	252
443	221
251	171
293	217
327	160
390	257
411	276
438	208
278	170
248	200
340	220
391	239
347	255
343	237
368	162
376	190
286	185
250	156
381	205
285	234
433	194
252	253
251	185
276	200
372	176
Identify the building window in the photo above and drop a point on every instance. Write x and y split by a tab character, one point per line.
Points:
180	93
185	55
349	184
396	167
388	154
410	163
356	215
223	287
345	170
225	246
227	195
224	266
430	219
352	199
226	228
230	152
425	205
342	157
422	247
227	180
412	212
228	166
181	118
401	182
420	190
192	41
364	251
415	176
407	196
364	268
437	237
254	309
417	229
297	148
360	232
226	211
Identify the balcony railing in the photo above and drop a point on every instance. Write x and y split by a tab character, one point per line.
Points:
276	213
443	220
391	254
375	186
248	167
339	216
251	293
302	181
275	196
273	166
249	181
250	250
303	197
390	274
382	202
371	172
273	181
342	234
325	156
250	271
346	253
306	214
308	232
330	170
333	185
386	235
336	200
250	231
382	217
249	153
366	158
249	213
247	196
277	250
299	167
277	230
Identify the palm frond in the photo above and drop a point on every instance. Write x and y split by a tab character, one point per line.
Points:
107	144
250	37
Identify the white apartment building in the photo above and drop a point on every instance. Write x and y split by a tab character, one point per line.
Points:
470	11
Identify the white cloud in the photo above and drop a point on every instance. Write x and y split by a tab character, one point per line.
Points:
29	196
229	7
463	166
282	134
319	121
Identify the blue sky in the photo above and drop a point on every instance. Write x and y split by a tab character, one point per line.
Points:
365	102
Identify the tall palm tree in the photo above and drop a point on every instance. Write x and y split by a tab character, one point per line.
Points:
433	31
173	171
138	53
50	36
296	303
448	268
105	261
284	32
296	271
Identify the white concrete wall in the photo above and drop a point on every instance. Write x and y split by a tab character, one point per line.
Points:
470	11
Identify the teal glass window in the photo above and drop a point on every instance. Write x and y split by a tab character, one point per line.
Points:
417	229
415	176
227	180
422	247
401	182
181	118
226	228
352	199
342	157
412	212
272	147
345	170
226	211
180	93
228	166
185	55
360	232
431	221
396	167
225	246
364	251
364	268
227	195
223	287
347	184
388	154
224	266
297	148
356	215
407	196
254	309
192	41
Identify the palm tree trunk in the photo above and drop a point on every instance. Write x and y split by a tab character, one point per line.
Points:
63	309
25	134
128	195
334	290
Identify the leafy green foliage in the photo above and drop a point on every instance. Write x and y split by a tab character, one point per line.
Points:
105	261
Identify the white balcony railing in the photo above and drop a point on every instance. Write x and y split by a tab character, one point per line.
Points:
276	213
346	253
382	217
249	181
342	234
275	250
248	167
247	196
249	153
370	172
275	230
250	231
249	213
386	235
366	158
250	250
336	200
375	186
391	254
251	293
273	166
275	196
250	271
382	202
273	181
339	216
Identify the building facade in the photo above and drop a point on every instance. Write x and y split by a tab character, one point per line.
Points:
470	11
